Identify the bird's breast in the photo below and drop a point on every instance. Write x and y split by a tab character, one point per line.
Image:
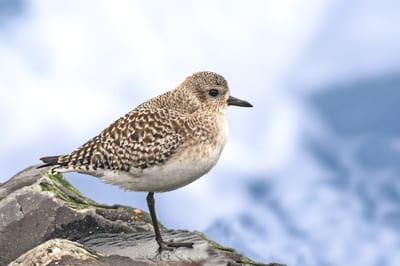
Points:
187	164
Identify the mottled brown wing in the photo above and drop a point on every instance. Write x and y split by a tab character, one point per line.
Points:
140	139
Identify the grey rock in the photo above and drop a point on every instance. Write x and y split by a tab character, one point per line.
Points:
64	252
44	220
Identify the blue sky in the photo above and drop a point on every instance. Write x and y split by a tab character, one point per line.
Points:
309	176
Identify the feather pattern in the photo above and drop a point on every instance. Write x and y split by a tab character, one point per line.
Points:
185	127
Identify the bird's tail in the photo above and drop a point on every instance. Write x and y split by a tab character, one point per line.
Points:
49	161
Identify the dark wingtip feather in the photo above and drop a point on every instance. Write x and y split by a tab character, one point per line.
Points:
49	161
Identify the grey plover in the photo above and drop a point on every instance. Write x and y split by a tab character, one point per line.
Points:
161	145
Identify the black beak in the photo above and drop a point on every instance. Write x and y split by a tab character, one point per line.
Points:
235	101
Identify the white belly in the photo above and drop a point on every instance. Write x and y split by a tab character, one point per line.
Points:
182	169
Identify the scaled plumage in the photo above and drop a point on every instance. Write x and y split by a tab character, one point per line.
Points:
164	143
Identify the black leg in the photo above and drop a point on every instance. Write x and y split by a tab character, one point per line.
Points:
161	243
150	204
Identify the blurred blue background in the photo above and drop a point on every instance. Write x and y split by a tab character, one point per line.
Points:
309	176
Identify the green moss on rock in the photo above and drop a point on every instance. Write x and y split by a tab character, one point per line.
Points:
63	190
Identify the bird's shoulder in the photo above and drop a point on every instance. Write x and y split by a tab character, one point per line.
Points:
144	125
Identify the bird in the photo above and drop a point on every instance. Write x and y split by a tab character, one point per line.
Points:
163	144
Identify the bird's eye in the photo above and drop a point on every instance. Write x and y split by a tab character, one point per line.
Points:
213	92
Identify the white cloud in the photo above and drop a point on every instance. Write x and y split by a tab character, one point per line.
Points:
74	61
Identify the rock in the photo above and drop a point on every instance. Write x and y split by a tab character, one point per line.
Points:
45	220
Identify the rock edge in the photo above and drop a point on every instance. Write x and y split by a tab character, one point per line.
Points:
44	220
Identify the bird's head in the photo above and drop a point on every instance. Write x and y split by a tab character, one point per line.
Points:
211	90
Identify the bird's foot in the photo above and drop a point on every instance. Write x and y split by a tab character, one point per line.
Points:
170	245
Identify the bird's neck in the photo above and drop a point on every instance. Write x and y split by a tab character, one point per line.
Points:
184	101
